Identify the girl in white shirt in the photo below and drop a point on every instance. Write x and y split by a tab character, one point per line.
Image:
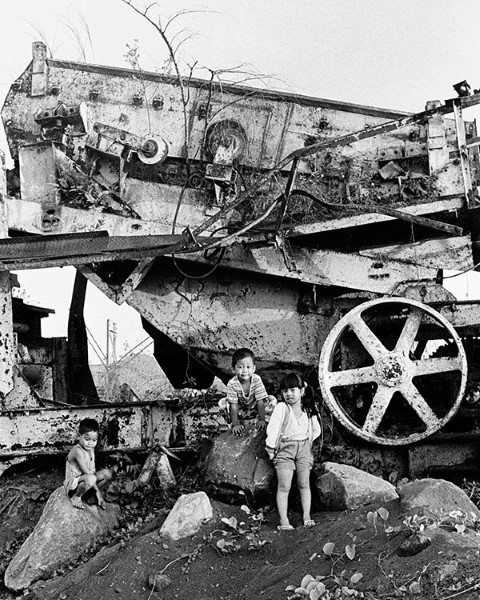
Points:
291	431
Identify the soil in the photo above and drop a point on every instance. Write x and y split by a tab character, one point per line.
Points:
240	554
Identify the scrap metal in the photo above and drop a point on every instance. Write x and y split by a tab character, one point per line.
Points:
269	222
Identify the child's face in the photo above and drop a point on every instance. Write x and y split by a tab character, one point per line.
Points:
292	395
88	440
244	369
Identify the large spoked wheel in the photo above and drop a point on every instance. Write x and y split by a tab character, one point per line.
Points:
393	371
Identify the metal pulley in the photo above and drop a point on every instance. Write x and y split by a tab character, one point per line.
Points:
153	150
120	143
393	371
226	141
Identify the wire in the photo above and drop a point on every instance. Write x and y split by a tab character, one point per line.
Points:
93	344
231	237
124	364
147	339
462	272
212	269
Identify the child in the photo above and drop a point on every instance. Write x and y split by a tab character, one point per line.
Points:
292	428
246	394
80	474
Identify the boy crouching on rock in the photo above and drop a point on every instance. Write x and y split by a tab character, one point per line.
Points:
80	473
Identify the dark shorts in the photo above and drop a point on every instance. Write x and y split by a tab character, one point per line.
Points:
294	455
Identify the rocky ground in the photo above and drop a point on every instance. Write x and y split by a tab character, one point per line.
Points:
240	555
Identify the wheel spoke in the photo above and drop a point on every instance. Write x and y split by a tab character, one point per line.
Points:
366	336
437	365
350	377
419	405
377	409
409	331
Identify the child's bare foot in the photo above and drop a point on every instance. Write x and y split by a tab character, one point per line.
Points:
77	502
285	527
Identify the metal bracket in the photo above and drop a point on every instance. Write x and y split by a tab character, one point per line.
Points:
133	280
89	273
284	246
463	151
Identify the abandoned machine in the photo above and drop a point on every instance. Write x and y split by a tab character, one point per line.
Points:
315	232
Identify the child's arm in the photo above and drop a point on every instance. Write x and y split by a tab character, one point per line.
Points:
237	428
101	501
261	397
261	415
316	429
274	429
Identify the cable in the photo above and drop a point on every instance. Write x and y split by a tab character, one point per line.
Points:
212	269
124	364
96	343
132	349
462	272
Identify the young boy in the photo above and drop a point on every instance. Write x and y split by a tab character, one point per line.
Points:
246	394
80	473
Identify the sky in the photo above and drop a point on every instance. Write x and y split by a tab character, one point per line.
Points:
373	52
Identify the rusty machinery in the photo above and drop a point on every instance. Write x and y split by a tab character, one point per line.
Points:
314	232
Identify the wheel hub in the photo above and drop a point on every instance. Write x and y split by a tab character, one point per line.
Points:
392	369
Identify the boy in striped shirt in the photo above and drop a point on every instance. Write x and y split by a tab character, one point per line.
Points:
246	395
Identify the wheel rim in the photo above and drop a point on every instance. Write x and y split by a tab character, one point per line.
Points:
388	372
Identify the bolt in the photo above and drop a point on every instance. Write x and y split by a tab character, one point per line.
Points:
157	102
150	148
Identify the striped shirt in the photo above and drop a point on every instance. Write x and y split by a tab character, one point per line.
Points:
247	405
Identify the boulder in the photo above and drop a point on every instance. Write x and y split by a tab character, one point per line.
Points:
237	464
342	487
187	516
436	498
61	535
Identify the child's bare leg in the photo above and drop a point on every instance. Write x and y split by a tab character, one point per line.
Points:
76	499
104	477
284	483
303	482
85	483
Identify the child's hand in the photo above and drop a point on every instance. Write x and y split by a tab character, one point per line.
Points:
237	430
261	425
101	502
271	453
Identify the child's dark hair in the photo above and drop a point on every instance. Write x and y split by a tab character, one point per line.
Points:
293	380
242	353
86	425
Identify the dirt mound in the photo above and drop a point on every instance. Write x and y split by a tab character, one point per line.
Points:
240	555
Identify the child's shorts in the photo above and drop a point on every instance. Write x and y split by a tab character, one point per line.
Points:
294	455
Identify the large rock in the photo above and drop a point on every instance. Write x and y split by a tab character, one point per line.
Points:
187	516
240	464
61	535
342	487
436	498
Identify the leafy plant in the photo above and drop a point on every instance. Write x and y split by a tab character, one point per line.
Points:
310	587
373	517
242	530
